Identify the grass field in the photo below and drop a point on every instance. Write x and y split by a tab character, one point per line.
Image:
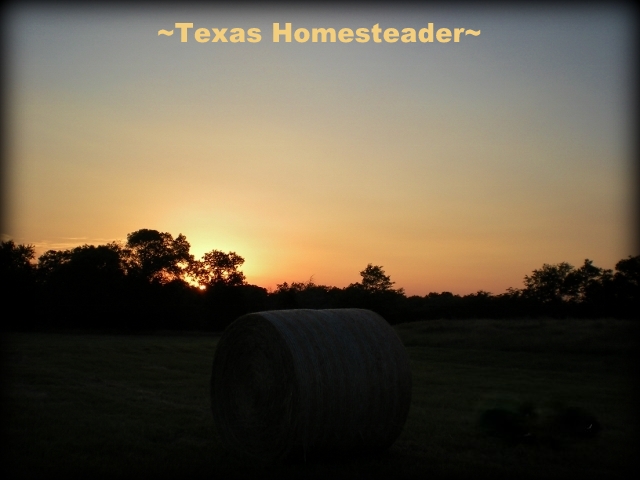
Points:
138	406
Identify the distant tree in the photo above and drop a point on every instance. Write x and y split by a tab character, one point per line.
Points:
83	264
218	268
584	283
82	287
157	256
374	280
51	261
375	293
629	270
626	287
548	285
17	272
17	284
16	260
305	295
92	262
512	293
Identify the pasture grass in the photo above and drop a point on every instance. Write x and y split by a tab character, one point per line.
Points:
138	406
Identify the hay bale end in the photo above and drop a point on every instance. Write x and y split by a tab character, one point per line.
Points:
300	382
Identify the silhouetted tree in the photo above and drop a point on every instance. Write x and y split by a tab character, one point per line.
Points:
16	261
157	256
288	296
102	263
548	285
51	262
217	267
374	280
305	295
84	286
628	270
626	286
17	284
588	291
443	304
375	293
140	285
86	263
583	283
477	305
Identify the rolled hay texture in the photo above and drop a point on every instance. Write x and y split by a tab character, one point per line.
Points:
303	382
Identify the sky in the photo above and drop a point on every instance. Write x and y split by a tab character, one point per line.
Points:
458	166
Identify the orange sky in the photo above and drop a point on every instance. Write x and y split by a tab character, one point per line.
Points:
457	167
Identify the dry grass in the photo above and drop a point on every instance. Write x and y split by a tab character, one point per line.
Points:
139	406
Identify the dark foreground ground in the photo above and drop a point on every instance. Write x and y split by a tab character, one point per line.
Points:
138	406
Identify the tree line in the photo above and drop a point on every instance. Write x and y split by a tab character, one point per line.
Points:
153	282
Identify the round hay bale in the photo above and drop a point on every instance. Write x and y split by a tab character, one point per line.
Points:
303	382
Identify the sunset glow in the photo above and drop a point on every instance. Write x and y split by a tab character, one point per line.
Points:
457	166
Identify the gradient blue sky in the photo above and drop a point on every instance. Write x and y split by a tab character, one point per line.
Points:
458	166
